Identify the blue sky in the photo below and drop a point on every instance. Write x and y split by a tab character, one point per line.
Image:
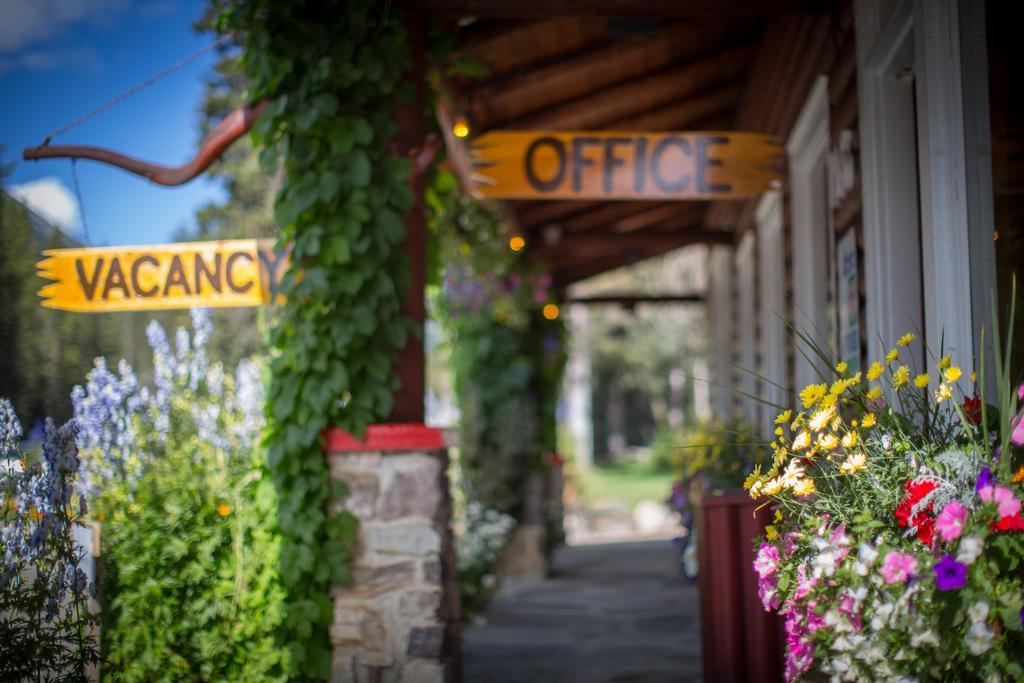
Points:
60	59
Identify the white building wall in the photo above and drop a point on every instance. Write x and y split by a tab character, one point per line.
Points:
719	303
746	333
772	287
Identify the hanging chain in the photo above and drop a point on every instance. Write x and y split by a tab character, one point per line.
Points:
81	205
141	86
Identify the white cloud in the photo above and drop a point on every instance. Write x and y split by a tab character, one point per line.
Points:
49	198
29	21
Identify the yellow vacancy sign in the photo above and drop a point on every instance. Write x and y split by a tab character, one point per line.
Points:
623	165
141	278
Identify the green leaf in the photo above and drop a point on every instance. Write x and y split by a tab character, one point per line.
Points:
359	169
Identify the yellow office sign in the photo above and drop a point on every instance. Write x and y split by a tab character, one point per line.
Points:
144	278
622	165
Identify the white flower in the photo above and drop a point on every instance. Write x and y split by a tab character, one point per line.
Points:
881	616
978	612
970	549
825	564
867	554
925	638
840	644
979	638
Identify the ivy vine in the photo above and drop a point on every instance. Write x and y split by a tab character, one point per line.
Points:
506	356
335	71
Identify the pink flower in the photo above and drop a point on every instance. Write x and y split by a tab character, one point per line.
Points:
767	560
766	591
898	567
804	585
950	522
1005	501
1017	435
1020	392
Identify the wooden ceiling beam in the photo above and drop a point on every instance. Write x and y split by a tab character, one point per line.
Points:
537	214
563	277
620	8
638	95
573	248
717	105
577	73
528	43
606	214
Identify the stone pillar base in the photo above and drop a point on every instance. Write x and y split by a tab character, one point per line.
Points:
397	621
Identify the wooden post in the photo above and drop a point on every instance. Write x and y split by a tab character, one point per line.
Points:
411	365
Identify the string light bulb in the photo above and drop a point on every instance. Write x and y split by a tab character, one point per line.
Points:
516	243
550	312
460	128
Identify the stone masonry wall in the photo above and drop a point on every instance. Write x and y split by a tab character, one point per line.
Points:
398	620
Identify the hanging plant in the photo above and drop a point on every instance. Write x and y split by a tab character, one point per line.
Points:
334	72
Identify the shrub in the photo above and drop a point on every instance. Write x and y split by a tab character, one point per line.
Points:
46	628
190	586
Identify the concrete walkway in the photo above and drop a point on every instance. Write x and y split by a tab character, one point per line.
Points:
613	613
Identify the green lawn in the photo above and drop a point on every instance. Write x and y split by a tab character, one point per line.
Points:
626	482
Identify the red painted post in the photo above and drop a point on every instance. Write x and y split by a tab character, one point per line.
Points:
410	365
741	642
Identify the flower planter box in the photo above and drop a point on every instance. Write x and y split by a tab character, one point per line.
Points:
741	642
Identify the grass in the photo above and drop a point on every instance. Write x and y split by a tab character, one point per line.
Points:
626	483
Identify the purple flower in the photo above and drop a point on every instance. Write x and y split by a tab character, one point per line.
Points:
10	427
950	574
985	478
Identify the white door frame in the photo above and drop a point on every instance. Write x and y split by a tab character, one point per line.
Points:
720	319
807	149
898	189
772	287
746	317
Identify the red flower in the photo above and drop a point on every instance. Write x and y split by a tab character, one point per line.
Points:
972	409
1009	523
923	522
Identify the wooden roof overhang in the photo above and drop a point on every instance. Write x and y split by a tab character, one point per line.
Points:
636	65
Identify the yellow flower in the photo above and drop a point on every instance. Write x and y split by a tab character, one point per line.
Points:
802	441
942	393
756	489
921	381
849	439
952	374
906	339
900	377
778	515
820	419
793	474
944	362
812	393
223	510
868	421
779	455
827	442
837	423
841	367
854	463
754	477
891	356
770	534
875	392
35	515
778	431
783	418
804	487
771	487
973	377
875	371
